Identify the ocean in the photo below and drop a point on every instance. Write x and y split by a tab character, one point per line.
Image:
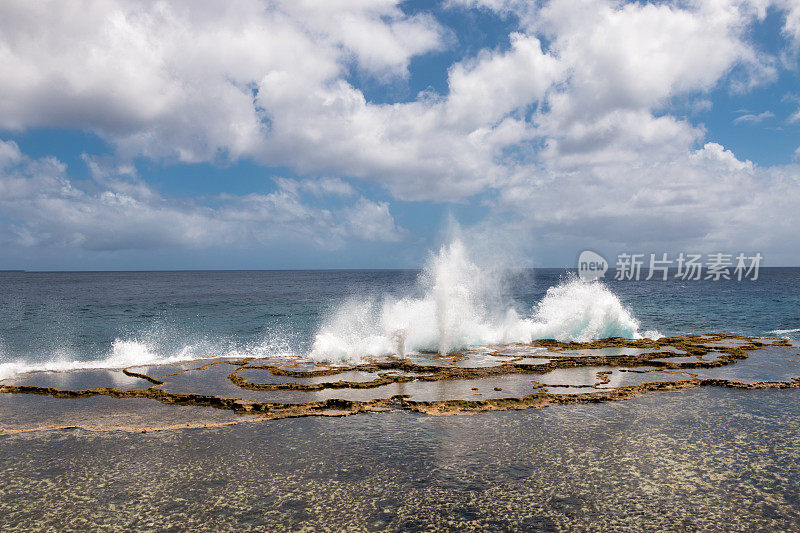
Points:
314	400
67	320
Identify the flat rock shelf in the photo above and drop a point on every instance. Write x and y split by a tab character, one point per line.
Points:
218	392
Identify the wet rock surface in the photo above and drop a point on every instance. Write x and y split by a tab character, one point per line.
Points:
518	376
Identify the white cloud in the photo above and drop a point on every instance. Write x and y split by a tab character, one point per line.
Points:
178	79
716	154
570	126
269	81
9	154
47	209
626	63
642	54
616	166
326	186
791	25
488	88
754	118
372	221
704	200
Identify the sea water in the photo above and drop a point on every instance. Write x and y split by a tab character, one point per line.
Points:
701	458
69	320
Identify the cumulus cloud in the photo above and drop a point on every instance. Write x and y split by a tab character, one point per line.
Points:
180	79
568	124
616	167
45	208
199	81
486	89
705	200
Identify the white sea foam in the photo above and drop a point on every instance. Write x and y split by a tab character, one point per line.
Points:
787	333
123	353
460	306
137	353
784	331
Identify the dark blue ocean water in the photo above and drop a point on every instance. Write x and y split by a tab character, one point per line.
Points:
79	315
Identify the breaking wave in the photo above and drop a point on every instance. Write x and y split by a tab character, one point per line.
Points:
791	334
124	353
460	307
136	353
784	331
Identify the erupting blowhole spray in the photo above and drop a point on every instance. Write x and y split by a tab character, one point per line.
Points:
461	305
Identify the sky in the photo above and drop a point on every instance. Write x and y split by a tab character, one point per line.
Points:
359	133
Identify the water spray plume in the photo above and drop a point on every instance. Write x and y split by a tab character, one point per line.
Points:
460	305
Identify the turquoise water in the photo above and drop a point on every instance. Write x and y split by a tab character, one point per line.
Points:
79	316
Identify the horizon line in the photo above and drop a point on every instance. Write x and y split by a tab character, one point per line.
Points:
111	271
